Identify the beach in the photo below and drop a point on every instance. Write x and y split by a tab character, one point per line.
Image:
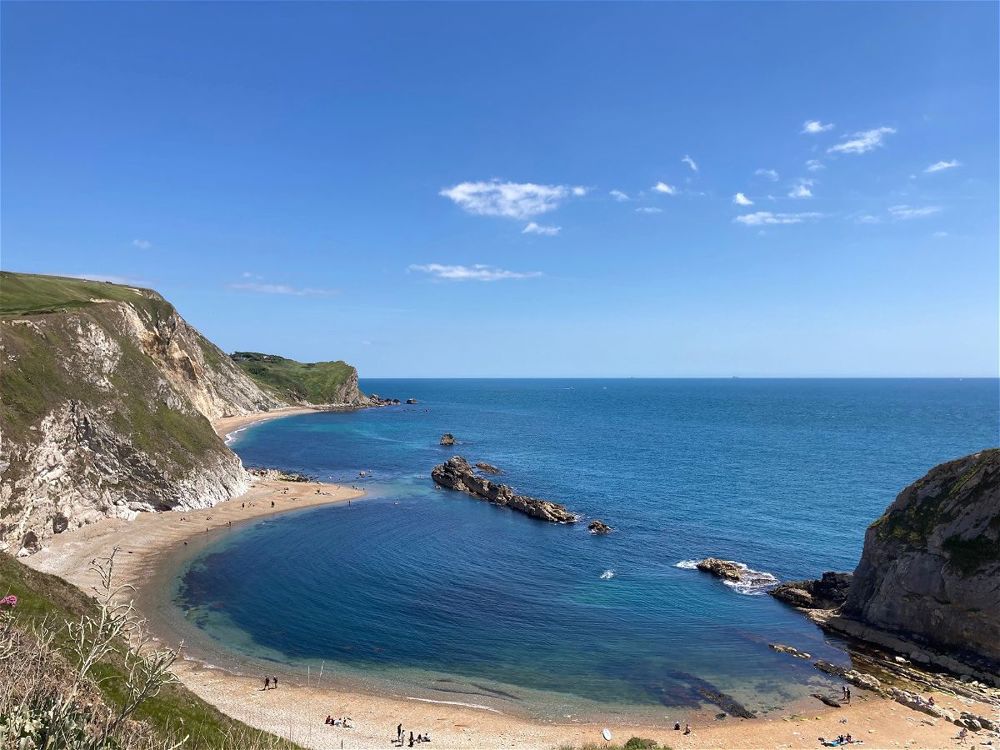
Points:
297	709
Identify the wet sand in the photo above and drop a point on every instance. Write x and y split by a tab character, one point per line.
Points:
297	710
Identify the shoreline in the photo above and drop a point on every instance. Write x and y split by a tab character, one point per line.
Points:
296	710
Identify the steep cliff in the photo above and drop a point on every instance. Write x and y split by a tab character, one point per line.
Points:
930	569
315	383
105	399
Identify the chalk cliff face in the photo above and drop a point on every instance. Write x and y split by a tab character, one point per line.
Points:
106	397
930	570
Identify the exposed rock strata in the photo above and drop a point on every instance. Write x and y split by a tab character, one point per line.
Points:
457	474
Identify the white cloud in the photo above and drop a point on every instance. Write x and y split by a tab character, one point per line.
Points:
513	200
618	195
802	189
662	187
255	283
760	218
649	210
812	127
814	165
909	212
142	244
940	166
548	231
863	142
690	162
770	174
868	219
741	200
477	272
579	190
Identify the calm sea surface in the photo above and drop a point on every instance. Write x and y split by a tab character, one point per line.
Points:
449	598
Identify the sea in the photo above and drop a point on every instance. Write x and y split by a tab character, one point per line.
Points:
427	593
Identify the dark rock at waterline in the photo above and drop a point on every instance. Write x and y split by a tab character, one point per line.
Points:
488	468
447	439
726	569
828	592
411	401
726	702
598	526
824	699
457	474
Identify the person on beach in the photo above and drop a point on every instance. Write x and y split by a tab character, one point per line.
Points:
677	726
274	683
687	729
411	739
848	695
272	503
399	734
267	682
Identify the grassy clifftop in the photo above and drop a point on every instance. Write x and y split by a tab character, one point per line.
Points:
312	382
34	294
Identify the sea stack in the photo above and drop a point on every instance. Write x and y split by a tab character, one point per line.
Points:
447	439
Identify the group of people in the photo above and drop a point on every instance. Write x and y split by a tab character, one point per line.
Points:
677	727
270	683
845	693
346	722
401	737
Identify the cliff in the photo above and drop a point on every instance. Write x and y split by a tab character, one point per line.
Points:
930	569
105	399
314	383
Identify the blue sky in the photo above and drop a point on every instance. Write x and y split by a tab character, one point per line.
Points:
520	189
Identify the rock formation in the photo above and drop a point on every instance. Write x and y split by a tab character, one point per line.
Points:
930	569
828	592
488	468
726	569
457	474
447	439
598	526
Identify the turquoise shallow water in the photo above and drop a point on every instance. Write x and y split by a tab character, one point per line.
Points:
455	599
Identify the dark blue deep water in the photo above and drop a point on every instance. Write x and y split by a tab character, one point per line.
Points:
440	593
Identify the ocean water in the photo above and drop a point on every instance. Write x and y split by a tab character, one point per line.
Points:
441	596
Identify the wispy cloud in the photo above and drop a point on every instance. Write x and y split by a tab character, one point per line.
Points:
903	213
769	174
802	189
690	162
940	166
619	196
741	200
662	187
579	190
513	200
142	244
862	142
649	210
477	272
760	218
812	127
815	165
547	231
253	282
868	219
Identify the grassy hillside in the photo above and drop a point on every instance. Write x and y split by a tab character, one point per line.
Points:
315	382
32	294
46	603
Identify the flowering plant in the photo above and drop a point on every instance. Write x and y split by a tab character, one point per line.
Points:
8	601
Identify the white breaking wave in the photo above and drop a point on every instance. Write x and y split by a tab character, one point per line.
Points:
454	703
607	575
752	582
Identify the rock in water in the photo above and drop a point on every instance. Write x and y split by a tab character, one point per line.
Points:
726	569
931	563
411	401
457	474
447	439
488	468
598	526
828	592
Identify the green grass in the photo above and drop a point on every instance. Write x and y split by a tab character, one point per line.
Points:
313	382
49	601
33	294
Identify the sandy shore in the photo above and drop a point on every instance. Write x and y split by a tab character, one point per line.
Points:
229	425
297	710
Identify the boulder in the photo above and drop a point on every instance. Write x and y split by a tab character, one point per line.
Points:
488	468
411	401
447	439
828	592
457	474
726	569
598	526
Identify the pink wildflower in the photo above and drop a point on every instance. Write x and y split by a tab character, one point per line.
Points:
8	601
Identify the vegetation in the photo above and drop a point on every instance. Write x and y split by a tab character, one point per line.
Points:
634	743
33	294
82	673
969	555
312	382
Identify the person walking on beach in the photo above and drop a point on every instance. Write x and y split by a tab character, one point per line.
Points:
399	734
267	682
848	694
411	739
274	683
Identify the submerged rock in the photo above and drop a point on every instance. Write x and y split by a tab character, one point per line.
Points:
411	401
488	468
457	474
782	649
726	702
447	439
828	592
598	526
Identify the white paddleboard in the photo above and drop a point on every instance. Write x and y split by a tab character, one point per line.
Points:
606	734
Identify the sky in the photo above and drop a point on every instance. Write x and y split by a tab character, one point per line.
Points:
523	189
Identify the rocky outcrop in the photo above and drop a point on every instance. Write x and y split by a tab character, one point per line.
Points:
828	592
726	569
487	468
457	474
930	567
106	407
790	650
447	440
598	527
